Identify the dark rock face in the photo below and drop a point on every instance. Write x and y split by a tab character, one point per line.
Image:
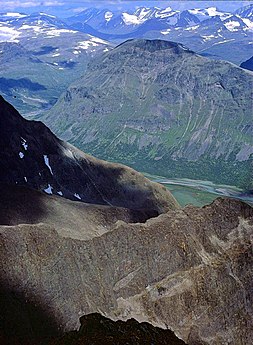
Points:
98	330
159	107
248	64
32	156
187	270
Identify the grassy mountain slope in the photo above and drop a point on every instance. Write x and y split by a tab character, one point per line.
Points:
163	109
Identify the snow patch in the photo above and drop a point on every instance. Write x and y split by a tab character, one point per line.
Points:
98	40
25	178
14	14
248	22
8	34
77	196
24	144
230	40
60	193
132	19
232	25
165	32
191	28
108	16
49	189
208	38
58	32
46	160
21	155
47	15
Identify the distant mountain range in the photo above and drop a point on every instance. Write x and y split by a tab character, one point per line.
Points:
41	49
218	34
161	108
57	51
208	30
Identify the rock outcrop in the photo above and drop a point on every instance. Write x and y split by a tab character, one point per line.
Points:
187	270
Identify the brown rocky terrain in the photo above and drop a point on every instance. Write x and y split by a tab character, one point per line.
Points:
187	270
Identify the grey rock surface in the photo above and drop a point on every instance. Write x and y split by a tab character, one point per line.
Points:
187	270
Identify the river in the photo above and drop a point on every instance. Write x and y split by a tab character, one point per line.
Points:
198	192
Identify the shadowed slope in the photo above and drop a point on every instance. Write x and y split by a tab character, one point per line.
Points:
20	205
98	330
32	156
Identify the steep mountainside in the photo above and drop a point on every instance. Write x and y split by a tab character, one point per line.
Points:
248	64
163	109
187	270
32	156
21	205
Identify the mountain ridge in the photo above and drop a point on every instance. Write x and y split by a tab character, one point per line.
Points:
33	156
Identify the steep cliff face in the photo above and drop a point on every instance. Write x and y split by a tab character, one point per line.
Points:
32	156
163	109
187	270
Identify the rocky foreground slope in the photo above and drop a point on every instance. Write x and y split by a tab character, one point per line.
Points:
187	270
163	109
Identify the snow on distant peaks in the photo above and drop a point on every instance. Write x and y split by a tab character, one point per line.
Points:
108	16
212	11
248	22
139	17
232	25
45	14
14	15
167	9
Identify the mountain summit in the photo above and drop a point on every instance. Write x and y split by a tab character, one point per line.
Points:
163	109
